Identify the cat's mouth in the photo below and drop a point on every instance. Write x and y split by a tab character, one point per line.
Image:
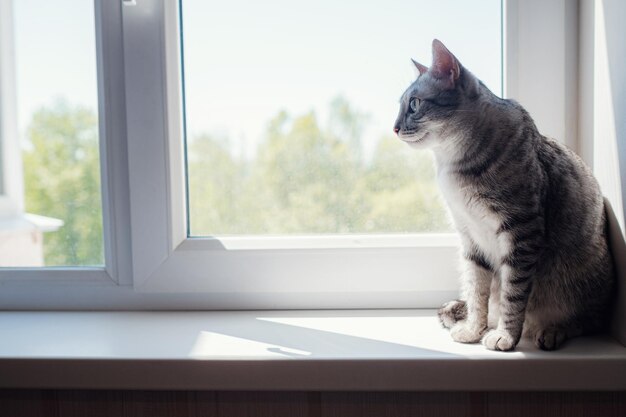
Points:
414	138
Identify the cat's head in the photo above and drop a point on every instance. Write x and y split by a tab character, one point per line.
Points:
434	107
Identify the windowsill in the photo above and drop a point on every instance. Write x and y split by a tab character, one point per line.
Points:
284	350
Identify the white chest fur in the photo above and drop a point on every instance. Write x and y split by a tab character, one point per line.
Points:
473	219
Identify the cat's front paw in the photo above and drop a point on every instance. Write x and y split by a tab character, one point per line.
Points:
499	340
466	333
452	312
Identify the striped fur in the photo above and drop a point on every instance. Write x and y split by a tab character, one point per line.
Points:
529	212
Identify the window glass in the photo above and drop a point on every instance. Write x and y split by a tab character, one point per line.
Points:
56	220
290	107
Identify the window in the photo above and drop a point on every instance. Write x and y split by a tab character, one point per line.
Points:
50	170
157	251
289	114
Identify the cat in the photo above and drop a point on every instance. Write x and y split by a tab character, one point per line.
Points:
529	212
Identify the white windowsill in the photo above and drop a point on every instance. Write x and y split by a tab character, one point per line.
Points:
283	350
324	241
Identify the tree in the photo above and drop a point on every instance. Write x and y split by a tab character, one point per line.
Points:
215	183
62	180
402	191
309	178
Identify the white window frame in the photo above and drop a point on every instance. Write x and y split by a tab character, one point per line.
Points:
12	210
27	287
149	261
11	191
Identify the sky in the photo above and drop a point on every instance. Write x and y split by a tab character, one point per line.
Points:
55	54
245	60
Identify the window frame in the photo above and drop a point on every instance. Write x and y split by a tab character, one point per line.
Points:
166	260
150	263
11	191
112	144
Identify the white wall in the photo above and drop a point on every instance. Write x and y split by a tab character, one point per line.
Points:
541	59
614	14
602	119
603	21
21	248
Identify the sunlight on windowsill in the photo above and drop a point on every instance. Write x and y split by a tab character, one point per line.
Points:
380	335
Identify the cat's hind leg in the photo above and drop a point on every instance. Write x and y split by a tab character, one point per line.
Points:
452	312
553	337
549	326
550	338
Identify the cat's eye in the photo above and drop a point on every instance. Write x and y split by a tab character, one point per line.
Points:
414	104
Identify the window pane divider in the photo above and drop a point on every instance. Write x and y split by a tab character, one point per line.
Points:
113	141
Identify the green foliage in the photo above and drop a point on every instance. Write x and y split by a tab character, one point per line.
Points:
310	179
62	180
402	191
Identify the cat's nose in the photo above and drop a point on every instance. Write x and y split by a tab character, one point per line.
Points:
396	130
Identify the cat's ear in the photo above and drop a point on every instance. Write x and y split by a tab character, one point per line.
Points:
421	68
445	65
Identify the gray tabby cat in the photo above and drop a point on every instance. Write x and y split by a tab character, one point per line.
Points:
530	213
